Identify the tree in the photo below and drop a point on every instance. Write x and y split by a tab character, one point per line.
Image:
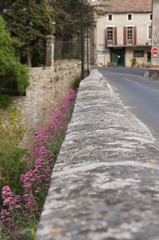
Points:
29	22
13	74
68	24
68	15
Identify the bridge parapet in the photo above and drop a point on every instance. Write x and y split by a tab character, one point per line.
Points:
153	74
102	182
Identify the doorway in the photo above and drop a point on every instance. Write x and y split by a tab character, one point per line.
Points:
117	57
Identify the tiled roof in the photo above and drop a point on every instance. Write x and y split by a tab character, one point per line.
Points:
128	5
131	5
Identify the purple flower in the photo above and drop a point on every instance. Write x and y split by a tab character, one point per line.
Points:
37	180
6	192
17	198
37	190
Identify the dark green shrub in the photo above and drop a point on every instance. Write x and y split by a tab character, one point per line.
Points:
77	82
4	101
13	75
11	168
133	62
11	156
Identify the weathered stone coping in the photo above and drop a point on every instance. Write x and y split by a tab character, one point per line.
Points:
105	184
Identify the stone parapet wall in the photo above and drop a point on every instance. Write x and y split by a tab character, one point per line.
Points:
105	181
48	86
153	74
65	73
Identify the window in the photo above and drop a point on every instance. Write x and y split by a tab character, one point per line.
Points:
110	17
129	17
150	16
110	33
129	35
138	53
150	31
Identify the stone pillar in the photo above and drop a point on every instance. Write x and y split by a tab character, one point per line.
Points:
87	52
155	32
95	43
50	42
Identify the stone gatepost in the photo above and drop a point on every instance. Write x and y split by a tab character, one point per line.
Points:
87	52
50	42
155	32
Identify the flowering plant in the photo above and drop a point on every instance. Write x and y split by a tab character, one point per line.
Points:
21	212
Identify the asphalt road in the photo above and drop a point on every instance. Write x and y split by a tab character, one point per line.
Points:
138	94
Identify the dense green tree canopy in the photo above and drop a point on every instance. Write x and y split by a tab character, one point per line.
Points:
29	22
9	65
68	16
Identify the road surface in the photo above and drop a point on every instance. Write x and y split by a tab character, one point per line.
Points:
139	94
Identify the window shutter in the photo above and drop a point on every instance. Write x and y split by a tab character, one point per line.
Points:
124	35
150	31
135	35
106	42
115	35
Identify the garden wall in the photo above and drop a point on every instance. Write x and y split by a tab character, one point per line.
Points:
48	86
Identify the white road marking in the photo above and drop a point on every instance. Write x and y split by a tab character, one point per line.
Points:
140	85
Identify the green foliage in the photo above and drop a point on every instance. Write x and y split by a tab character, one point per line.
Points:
73	54
29	233
7	238
68	16
55	148
13	75
11	127
29	22
11	133
133	62
4	101
12	167
77	82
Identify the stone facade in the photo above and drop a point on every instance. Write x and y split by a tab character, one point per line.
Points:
142	22
48	86
123	33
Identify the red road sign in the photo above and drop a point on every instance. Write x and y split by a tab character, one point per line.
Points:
154	51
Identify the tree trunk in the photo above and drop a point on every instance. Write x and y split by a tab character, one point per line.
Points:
28	58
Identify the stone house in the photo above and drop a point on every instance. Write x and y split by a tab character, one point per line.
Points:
123	35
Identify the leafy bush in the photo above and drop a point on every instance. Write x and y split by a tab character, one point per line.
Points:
12	167
77	82
133	62
12	128
13	74
73	53
11	133
4	101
